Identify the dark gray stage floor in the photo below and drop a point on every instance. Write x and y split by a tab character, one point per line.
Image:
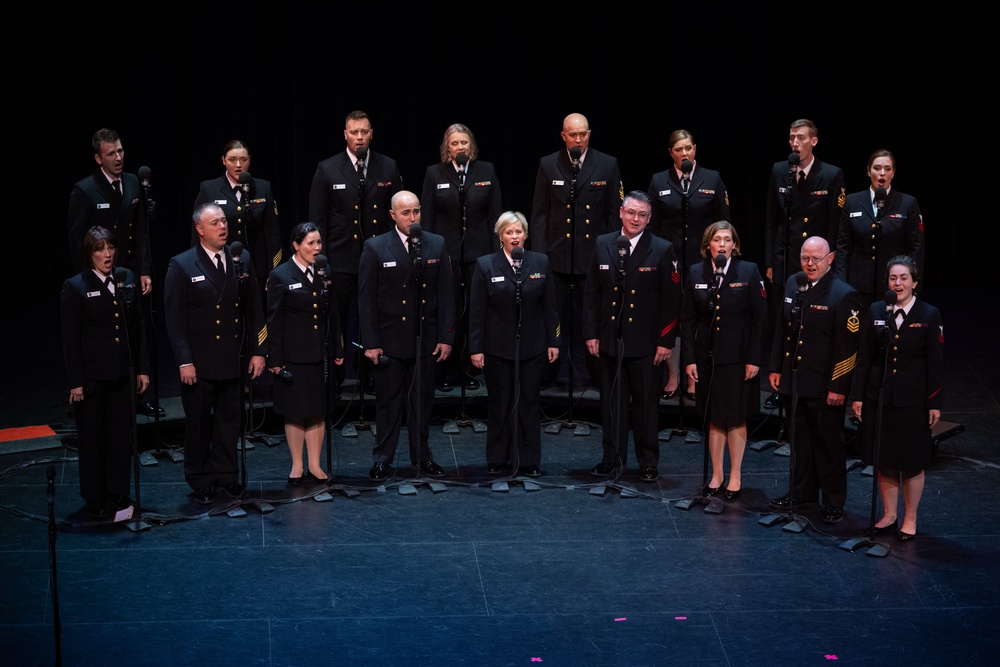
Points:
559	570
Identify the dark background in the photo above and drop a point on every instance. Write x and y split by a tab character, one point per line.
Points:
178	83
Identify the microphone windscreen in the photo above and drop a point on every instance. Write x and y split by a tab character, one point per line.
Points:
622	242
144	173
686	166
361	153
416	230
321	262
246	178
575	152
720	261
121	275
890	298
801	279
880	194
793	159
517	253
237	250
461	159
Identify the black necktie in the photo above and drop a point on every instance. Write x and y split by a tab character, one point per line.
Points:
219	265
309	274
117	187
802	178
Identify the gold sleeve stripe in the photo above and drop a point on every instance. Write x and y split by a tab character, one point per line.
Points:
262	335
276	259
845	366
558	330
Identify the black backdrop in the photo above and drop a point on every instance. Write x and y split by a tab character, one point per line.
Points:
177	83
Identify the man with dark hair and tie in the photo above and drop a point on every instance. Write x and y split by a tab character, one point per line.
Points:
803	200
813	356
632	306
349	202
111	198
407	322
209	320
578	191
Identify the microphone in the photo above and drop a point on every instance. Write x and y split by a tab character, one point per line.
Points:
382	359
321	263
720	263
517	254
802	280
461	160
361	153
237	250
686	167
793	162
50	474
623	244
287	376
890	299
880	195
121	288
574	156
144	176
245	180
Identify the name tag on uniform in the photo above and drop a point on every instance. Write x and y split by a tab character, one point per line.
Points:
444	186
221	202
664	193
388	265
100	206
91	295
856	214
603	267
558	182
702	286
782	190
295	286
879	323
497	279
788	299
339	186
197	279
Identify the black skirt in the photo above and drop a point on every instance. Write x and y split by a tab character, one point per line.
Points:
733	400
906	438
303	395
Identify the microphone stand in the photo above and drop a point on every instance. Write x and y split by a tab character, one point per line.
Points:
616	384
462	419
714	506
780	442
417	417
876	242
53	570
350	430
794	525
578	429
125	304
876	549
243	360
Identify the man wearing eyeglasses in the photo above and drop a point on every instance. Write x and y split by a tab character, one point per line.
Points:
631	309
813	356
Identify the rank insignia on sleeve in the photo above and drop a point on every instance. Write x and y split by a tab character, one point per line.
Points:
941	334
763	290
920	223
275	202
621	191
842	198
853	324
727	198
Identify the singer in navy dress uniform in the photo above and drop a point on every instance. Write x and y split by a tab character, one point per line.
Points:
207	321
870	236
824	355
684	205
461	202
566	231
95	201
252	214
351	205
912	335
723	321
103	345
817	197
407	317
513	325
632	305
302	332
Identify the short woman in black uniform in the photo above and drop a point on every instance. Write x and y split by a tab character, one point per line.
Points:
303	329
723	318
911	395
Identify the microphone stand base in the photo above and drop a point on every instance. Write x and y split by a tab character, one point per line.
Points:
149	458
137	526
452	427
854	463
784	450
761	445
793	526
351	430
875	549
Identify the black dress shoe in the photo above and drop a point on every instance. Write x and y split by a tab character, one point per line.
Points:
904	537
833	514
885	530
782	503
445	387
732	495
149	410
529	471
379	471
205	495
690	395
120	502
773	401
648	474
602	470
295	481
431	469
308	475
494	469
667	395
472	384
713	490
234	489
97	509
370	385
